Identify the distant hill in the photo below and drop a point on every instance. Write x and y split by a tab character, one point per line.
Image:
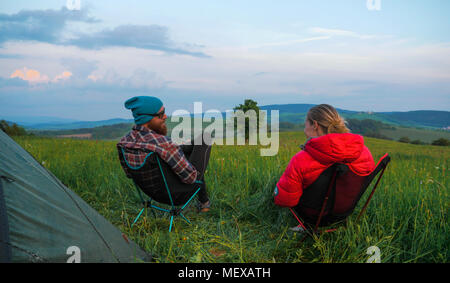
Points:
296	113
296	108
369	128
27	121
292	113
429	118
106	132
77	125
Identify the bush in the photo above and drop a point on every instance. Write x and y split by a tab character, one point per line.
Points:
368	128
404	139
417	142
12	130
441	142
377	136
249	105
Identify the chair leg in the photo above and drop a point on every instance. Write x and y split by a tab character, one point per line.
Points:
187	220
370	196
139	215
171	222
296	217
149	204
330	187
190	199
181	214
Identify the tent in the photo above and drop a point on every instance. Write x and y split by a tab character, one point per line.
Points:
41	220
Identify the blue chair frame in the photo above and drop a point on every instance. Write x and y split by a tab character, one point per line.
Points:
174	211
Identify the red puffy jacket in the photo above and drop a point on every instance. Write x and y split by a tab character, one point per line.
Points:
319	154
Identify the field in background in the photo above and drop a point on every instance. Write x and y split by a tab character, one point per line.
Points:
407	217
423	135
115	131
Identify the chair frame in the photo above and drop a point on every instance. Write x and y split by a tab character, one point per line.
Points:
174	211
330	188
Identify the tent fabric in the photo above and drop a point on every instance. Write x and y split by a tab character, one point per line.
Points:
5	250
41	219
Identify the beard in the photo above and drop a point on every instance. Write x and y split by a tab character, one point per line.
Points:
162	129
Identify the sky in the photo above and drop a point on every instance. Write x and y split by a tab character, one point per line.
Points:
80	59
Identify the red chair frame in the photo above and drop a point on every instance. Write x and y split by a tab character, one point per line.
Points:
381	166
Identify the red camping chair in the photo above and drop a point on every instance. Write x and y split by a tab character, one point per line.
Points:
335	194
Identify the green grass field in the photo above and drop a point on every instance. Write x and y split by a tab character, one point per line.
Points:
407	217
423	135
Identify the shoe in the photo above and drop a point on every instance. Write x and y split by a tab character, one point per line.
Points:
204	207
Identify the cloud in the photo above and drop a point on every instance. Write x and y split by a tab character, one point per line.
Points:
50	26
319	34
154	37
294	41
34	76
63	76
30	75
80	68
80	99
40	25
340	32
140	79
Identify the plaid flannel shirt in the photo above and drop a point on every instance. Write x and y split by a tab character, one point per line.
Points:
144	140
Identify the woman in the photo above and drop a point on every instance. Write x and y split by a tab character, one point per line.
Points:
328	141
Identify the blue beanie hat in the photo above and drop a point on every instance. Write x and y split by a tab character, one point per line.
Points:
141	106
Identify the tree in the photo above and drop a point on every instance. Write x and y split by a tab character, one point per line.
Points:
441	142
417	142
12	130
368	127
249	105
3	125
404	139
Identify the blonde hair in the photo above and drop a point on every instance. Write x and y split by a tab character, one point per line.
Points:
328	119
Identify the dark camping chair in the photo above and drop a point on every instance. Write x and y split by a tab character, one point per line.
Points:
156	179
334	195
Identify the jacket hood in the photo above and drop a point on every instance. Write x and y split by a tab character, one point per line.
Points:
332	148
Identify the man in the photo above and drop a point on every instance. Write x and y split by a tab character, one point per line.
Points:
149	133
